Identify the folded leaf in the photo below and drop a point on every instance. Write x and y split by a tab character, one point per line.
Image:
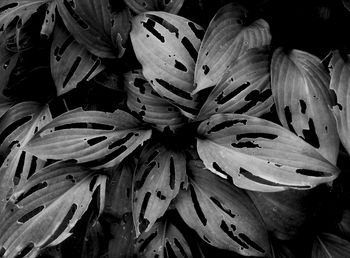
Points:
229	35
330	246
222	214
96	139
157	180
90	23
243	89
70	62
300	87
164	239
339	87
260	155
149	106
166	45
141	6
43	212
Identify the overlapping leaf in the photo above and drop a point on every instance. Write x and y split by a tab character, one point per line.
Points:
166	45
243	89
91	22
43	212
164	239
330	246
228	36
300	87
222	214
260	155
149	106
49	20
97	139
8	61
157	180
141	6
340	78
70	62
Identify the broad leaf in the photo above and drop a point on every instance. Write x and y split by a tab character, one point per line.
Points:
5	105
330	246
24	9
166	45
229	34
90	22
157	180
164	239
49	20
243	89
260	155
223	215
70	62
141	6
96	139
340	78
280	249
43	212
149	106
300	87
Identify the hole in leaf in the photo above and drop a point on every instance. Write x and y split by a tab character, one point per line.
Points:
19	169
302	106
198	32
221	99
121	141
148	169
2	251
144	222
109	157
174	90
12	127
226	124
256	135
149	25
96	140
190	48
26	250
71	72
93	183
288	115
254	97
140	84
180	66
169	250
147	241
171	28
218	204
8	6
310	135
31	214
206	69
197	206
95	126
250	242
248	144
152	157
312	173
31	190
230	234
172	173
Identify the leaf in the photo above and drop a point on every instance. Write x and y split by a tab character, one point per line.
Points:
49	20
24	9
157	180
222	214
121	26
166	46
5	105
280	249
260	155
90	23
346	4
149	106
330	246
164	239
8	61
300	87
339	89
229	34
243	89
141	6
70	62
43	212
93	138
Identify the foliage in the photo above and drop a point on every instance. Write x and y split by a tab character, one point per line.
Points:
153	128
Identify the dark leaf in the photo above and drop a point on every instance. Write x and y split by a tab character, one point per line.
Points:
330	246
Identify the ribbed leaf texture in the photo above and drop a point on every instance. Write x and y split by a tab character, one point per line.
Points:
93	138
141	6
327	245
43	212
50	19
260	155
222	214
157	180
149	106
228	36
243	89
300	87
166	45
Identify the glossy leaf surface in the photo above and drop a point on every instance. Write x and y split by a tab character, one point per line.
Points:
260	155
300	86
221	214
228	36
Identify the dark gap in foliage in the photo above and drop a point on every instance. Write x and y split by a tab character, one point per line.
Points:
221	99
147	241
19	169
221	207
190	48
32	168
178	92
31	214
226	124
169	250
250	242
93	183
26	250
71	71
171	28
96	140
14	126
31	190
310	135
149	25
197	206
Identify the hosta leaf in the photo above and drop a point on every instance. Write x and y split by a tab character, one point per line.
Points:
141	6
339	86
149	106
20	122
24	9
71	62
260	155
243	89
157	180
97	139
300	87
90	22
229	35
164	239
330	246
50	20
222	214
166	45
5	105
43	212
